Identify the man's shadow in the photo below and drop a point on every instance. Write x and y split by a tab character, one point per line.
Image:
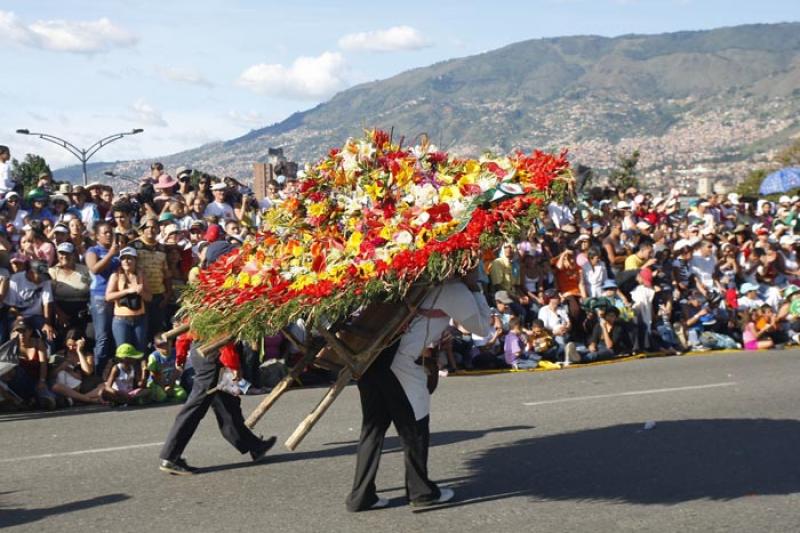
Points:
348	448
673	462
18	516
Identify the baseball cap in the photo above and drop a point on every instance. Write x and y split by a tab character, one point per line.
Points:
219	187
502	297
65	248
128	251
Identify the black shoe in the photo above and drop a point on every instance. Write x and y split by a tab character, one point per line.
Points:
176	468
259	453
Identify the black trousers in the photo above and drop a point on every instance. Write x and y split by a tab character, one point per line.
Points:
383	402
227	409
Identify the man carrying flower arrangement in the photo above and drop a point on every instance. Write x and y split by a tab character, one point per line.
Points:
394	390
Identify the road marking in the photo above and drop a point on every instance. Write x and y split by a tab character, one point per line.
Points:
81	452
633	393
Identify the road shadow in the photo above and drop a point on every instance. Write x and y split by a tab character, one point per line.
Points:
674	462
32	414
391	445
19	516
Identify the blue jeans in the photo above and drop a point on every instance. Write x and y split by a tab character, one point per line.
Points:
102	312
131	330
601	354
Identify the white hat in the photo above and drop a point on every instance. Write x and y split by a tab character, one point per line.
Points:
169	229
643	224
582	238
787	240
65	247
681	244
9	194
708	231
219	187
60	228
93	184
129	251
181	171
784	200
657	200
59	198
734	198
622	204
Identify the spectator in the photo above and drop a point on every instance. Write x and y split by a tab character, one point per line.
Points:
30	295
102	261
608	338
127	289
218	208
71	285
152	261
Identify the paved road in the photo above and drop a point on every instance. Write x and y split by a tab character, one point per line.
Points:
555	451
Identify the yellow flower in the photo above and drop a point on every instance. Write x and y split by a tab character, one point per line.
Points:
423	237
318	209
256	279
448	193
354	242
243	279
366	269
404	175
297	250
374	191
302	281
386	232
230	281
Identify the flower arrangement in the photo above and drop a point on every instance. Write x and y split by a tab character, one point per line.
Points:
369	220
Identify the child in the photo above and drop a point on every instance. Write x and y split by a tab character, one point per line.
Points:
514	348
162	374
541	342
750	335
122	383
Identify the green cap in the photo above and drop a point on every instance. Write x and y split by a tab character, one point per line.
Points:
37	194
791	289
128	351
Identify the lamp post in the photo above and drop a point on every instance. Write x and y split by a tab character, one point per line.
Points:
121	177
83	154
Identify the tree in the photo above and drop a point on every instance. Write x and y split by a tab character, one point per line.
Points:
750	185
624	176
27	173
789	156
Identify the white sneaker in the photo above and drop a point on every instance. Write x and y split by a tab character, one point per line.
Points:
571	353
446	495
380	504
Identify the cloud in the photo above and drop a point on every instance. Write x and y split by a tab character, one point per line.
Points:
390	40
183	75
144	113
247	118
308	78
79	37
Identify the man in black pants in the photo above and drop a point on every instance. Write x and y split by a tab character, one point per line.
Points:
394	390
227	409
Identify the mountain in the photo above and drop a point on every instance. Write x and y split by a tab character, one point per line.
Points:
710	102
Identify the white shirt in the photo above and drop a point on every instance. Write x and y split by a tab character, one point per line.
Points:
28	297
642	298
469	309
703	268
220	210
6	183
560	215
594	278
553	319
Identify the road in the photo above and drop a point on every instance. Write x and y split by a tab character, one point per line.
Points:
551	451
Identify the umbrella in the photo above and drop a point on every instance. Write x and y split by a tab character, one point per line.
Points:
781	181
9	356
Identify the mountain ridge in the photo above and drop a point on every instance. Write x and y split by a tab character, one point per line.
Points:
731	90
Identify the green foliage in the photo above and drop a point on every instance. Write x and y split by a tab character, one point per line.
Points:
27	172
624	175
749	186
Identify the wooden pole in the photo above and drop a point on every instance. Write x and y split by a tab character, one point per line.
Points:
305	426
177	330
210	348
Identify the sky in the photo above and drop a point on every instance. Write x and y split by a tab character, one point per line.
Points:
192	72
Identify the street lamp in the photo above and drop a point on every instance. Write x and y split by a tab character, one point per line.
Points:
84	154
121	177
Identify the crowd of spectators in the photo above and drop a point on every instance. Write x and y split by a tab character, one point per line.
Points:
90	279
624	272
